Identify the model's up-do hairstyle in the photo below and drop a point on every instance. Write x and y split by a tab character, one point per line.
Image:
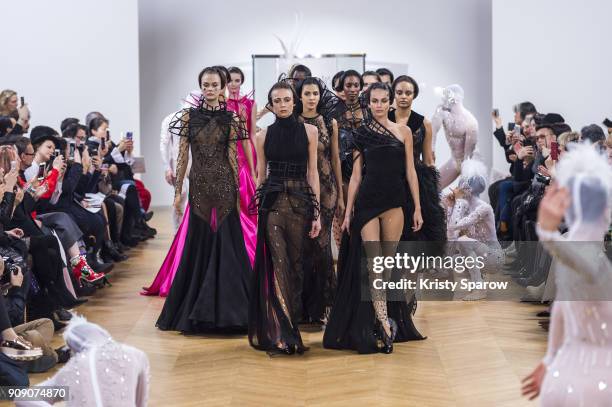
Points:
585	172
371	73
81	335
285	84
348	74
409	79
384	71
224	72
337	78
213	71
378	86
235	69
300	68
473	177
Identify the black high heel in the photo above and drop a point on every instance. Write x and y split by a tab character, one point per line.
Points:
278	351
387	340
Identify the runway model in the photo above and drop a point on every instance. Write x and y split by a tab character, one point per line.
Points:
385	199
246	109
406	90
211	288
577	367
316	107
288	201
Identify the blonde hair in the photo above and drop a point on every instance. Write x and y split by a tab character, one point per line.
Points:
5	95
568	137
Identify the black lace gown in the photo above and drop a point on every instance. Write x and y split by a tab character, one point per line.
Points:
286	206
353	323
319	276
210	291
434	217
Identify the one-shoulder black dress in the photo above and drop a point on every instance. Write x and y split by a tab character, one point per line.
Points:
353	323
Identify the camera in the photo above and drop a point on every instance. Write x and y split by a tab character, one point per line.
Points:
71	149
92	147
9	268
543	179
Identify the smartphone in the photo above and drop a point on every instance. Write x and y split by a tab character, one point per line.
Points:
511	126
129	135
22	101
13	165
517	130
554	150
57	152
71	149
496	112
108	134
41	171
103	143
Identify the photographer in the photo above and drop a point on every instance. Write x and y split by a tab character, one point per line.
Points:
16	285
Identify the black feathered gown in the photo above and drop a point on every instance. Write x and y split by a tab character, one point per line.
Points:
353	323
210	291
434	217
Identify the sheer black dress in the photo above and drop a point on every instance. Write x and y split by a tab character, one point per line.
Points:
434	217
354	323
286	207
210	291
320	277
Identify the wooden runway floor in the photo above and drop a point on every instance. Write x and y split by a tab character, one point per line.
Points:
475	354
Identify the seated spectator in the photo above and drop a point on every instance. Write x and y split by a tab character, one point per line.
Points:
9	106
593	134
75	184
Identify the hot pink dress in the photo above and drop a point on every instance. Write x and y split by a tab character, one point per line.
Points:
163	280
243	107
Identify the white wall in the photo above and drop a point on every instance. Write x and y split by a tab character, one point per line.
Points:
556	54
443	42
69	57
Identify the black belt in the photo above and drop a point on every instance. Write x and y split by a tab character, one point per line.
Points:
286	170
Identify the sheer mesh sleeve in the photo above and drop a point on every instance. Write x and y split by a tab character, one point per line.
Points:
181	166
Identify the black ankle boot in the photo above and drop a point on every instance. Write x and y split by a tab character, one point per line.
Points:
110	251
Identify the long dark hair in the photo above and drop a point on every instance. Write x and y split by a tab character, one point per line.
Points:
299	106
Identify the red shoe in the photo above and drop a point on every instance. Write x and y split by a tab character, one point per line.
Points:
82	271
